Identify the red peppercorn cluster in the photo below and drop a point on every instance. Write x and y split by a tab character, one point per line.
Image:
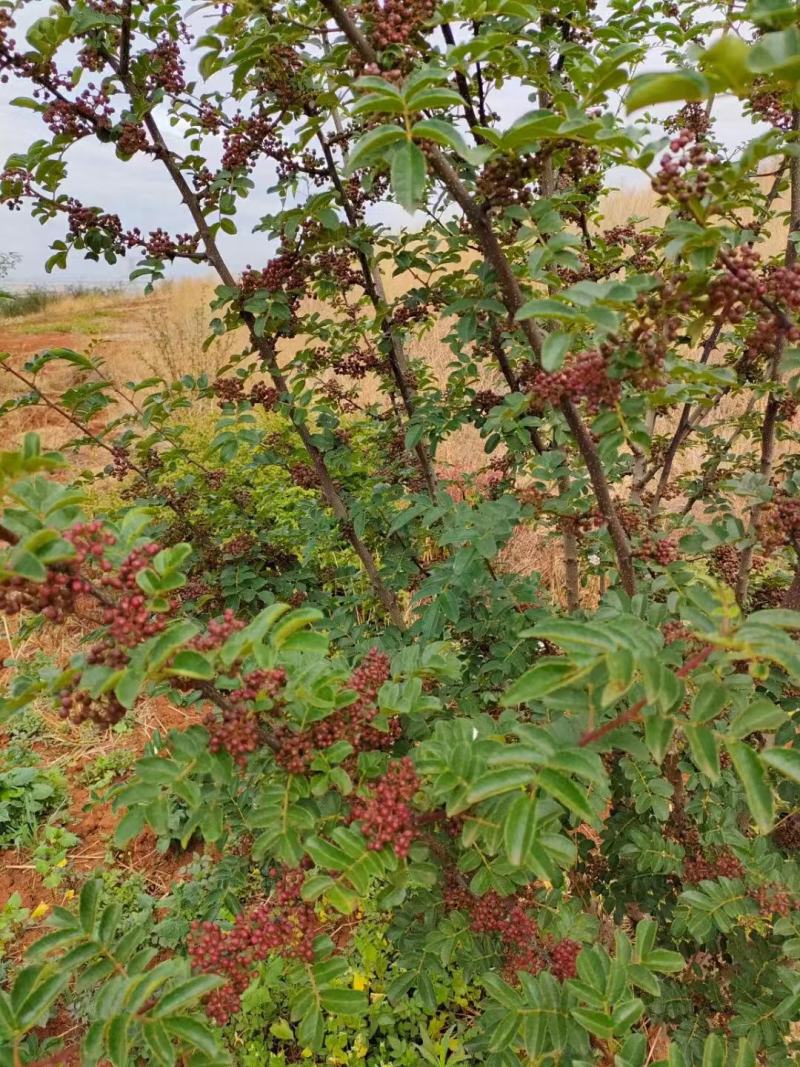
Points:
641	244
526	948
89	573
82	221
247	138
563	959
693	117
120	465
745	287
303	475
772	900
659	319
787	833
769	106
89	112
261	683
583	378
282	925
237	728
132	139
287	272
386	816
724	563
240	545
352	723
683	171
265	395
506	180
394	22
162	245
165	67
580	167
89	540
673	631
56	596
699	868
486	399
232	391
280	74
357	364
217	632
338	265
779	522
636	523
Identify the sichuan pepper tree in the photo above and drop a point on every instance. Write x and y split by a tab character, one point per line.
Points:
572	826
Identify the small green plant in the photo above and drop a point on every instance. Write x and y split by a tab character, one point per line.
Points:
26	727
206	890
12	917
107	769
27	796
50	854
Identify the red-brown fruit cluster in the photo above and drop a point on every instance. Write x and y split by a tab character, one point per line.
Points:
683	172
357	363
386	816
699	868
217	632
724	563
628	236
287	272
563	959
303	475
658	550
283	925
352	723
507	179
132	139
237	728
771	293
91	110
674	630
265	395
396	21
583	379
787	833
165	68
779	522
772	900
509	919
249	137
771	107
692	117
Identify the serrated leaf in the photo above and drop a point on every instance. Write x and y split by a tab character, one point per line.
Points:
503	780
649	89
567	793
703	747
372	145
751	774
519	830
409	175
344	1001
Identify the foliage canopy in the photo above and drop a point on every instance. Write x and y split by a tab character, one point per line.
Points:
457	821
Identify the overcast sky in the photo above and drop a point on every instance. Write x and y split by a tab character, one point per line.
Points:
140	193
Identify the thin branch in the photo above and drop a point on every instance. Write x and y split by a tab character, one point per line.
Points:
769	425
634	712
